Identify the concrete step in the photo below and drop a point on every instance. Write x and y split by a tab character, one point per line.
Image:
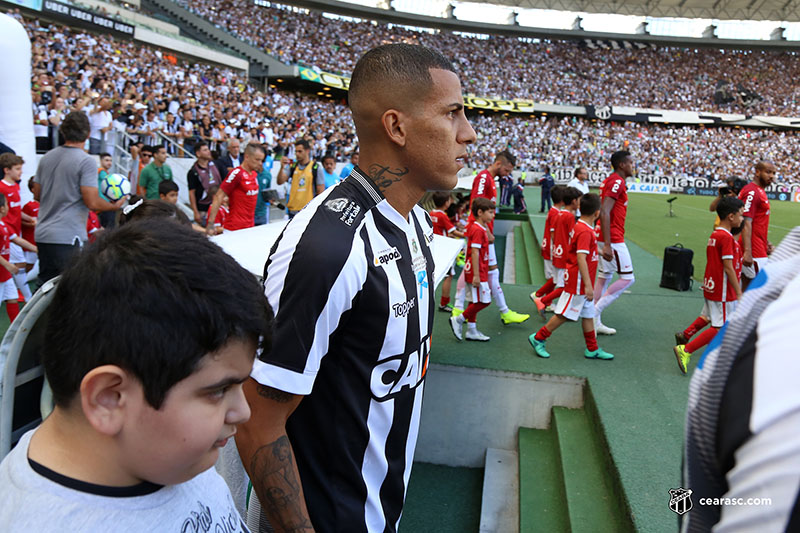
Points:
509	262
535	262
521	270
542	497
500	501
592	503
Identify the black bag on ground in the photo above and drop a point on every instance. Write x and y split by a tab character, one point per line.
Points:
678	269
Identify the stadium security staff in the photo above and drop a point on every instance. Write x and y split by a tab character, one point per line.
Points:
336	406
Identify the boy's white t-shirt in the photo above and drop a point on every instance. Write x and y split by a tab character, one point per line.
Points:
31	502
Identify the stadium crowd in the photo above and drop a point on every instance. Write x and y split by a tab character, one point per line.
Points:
559	72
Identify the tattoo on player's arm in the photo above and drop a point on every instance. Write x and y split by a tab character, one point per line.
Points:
385	177
274	476
273	394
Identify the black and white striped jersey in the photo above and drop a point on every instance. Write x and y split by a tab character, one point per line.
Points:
351	284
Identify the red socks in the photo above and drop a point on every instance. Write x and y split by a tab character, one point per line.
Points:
543	333
591	340
701	340
13	310
547	300
444	301
548	286
698	324
471	312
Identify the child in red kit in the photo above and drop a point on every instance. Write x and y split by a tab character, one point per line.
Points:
31	209
8	289
557	195
442	225
476	271
577	300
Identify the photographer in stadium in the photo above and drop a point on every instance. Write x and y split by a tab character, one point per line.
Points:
733	185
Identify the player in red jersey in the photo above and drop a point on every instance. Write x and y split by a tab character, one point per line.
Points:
556	194
8	290
11	168
562	226
577	298
721	287
483	186
755	244
31	212
614	253
241	188
442	225
476	271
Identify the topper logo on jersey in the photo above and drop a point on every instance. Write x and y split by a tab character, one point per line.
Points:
392	375
384	257
401	310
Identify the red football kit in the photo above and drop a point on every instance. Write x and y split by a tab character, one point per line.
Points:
242	189
32	210
441	222
482	187
615	187
756	207
547	246
6	234
721	245
92	226
582	241
477	238
563	226
14	203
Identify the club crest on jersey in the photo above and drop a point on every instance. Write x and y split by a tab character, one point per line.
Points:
400	373
337	205
384	257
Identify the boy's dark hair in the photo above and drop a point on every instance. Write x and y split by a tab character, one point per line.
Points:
481	204
138	299
166	187
557	193
148	149
618	157
328	156
590	203
303	143
2	200
139	208
570	194
104	154
506	156
75	127
9	160
440	198
728	205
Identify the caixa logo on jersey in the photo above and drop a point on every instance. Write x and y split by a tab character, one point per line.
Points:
400	373
385	257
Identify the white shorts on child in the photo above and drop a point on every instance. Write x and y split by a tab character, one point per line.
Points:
31	257
574	306
17	253
549	269
558	278
8	290
482	295
718	312
492	256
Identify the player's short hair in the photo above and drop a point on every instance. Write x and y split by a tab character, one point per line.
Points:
440	198
302	142
150	308
481	204
254	147
762	164
167	186
557	193
728	205
75	127
590	203
200	145
398	65
506	156
9	160
104	154
618	157
571	194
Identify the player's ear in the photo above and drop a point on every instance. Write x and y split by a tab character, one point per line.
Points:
106	392
395	125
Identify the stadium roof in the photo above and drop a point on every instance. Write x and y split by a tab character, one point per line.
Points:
782	10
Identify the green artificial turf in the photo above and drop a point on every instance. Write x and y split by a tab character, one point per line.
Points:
442	499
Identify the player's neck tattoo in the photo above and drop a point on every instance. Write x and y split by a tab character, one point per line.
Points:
385	177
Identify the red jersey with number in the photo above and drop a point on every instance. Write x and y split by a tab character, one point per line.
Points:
242	190
477	239
32	210
562	225
6	234
582	241
615	187
756	207
721	246
14	203
441	223
547	246
482	187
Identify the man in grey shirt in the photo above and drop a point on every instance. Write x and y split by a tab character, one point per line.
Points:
66	187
